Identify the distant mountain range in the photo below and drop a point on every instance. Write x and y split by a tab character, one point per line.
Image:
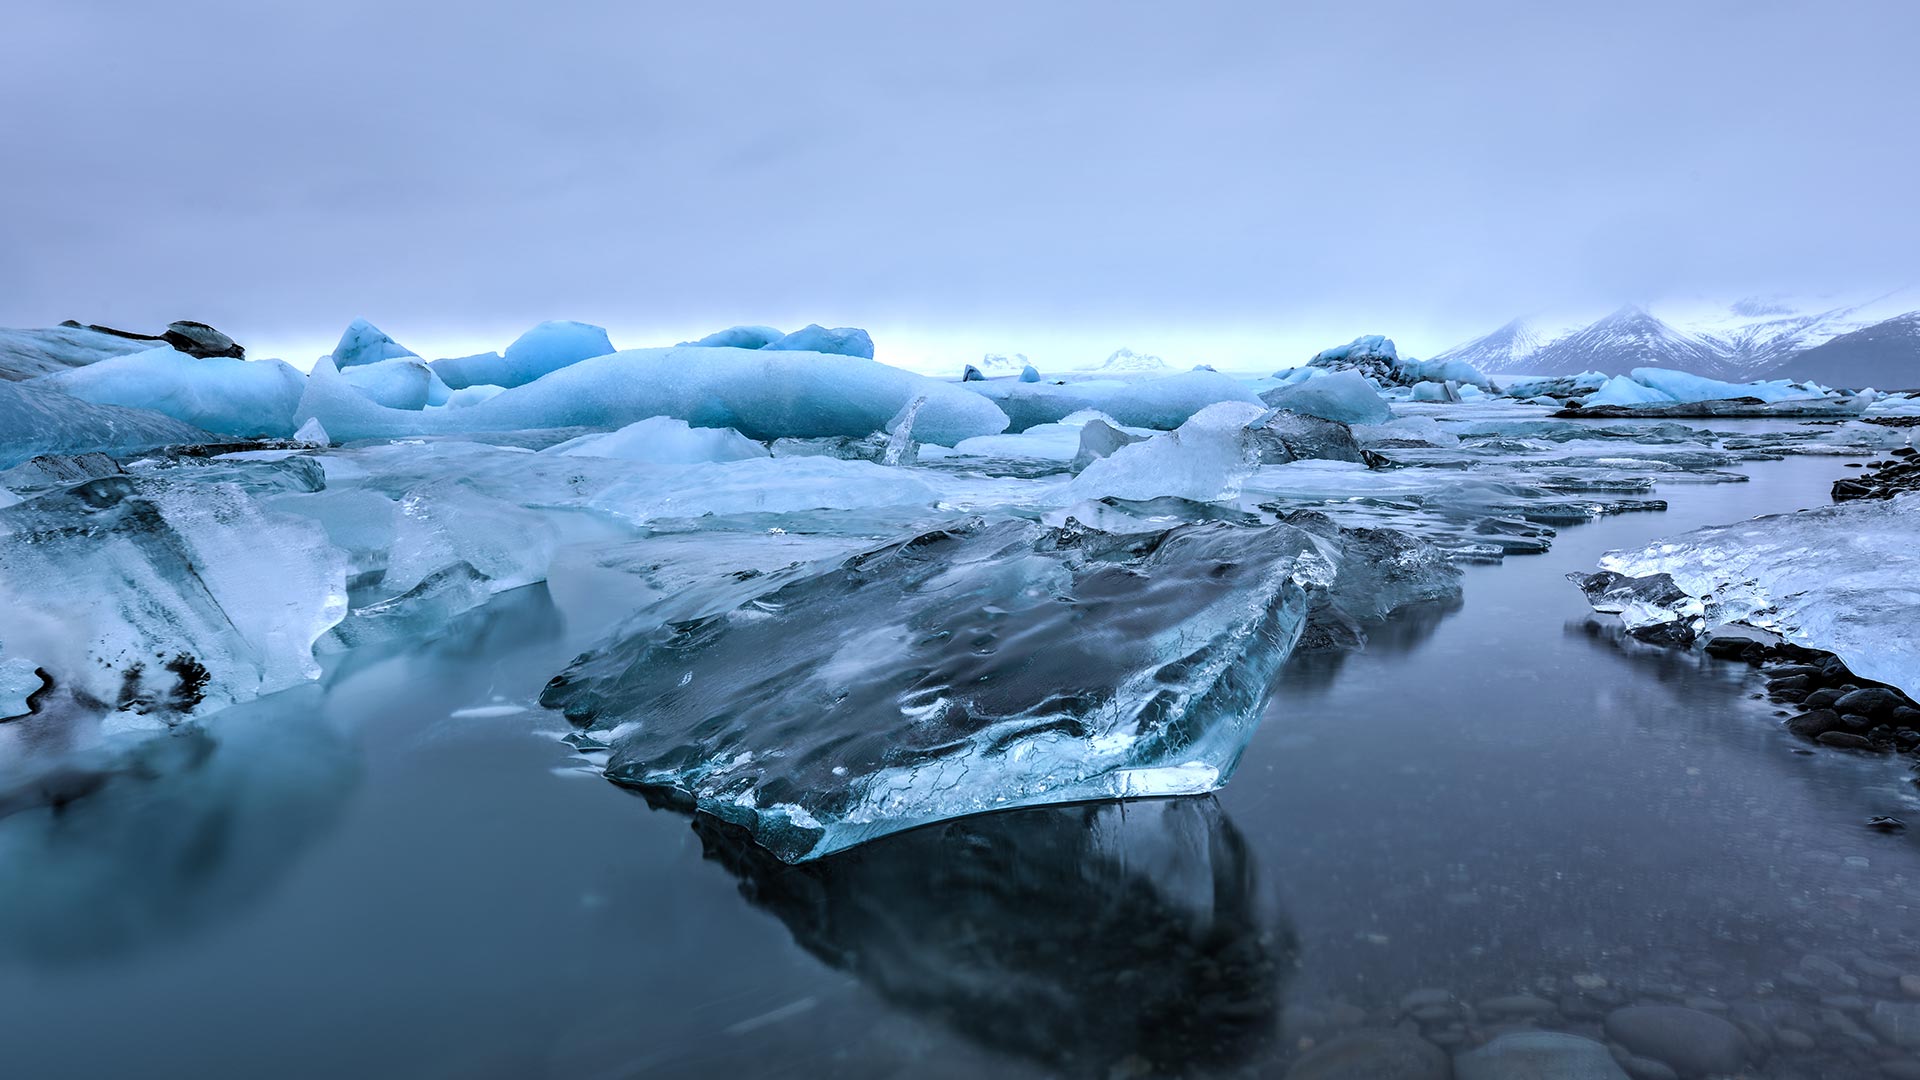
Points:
1875	343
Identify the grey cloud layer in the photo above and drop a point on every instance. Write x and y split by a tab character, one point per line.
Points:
1426	169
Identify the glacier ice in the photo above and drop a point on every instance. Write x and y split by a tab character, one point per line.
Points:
739	337
220	394
1844	579
36	419
547	348
1344	395
1203	460
761	394
662	440
25	354
1686	386
814	338
977	667
174	598
1163	402
364	343
400	383
1620	390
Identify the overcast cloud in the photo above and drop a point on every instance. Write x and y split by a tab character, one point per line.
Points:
1226	182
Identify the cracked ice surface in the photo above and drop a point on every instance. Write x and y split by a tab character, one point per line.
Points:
1844	579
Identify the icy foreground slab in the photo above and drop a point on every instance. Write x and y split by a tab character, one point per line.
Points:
981	667
1844	579
147	596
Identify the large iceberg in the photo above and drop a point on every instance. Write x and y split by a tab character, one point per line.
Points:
1844	579
978	667
1346	396
243	398
35	420
761	394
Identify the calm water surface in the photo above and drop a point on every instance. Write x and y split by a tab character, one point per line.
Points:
1488	800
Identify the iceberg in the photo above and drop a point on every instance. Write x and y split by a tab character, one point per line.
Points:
35	420
814	338
761	394
173	598
1162	403
365	343
1345	396
244	398
1843	579
981	666
1620	390
1203	460
739	337
1686	386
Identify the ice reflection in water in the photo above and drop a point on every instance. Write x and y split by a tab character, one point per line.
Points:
1088	937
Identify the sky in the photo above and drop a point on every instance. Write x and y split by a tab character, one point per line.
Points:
1231	183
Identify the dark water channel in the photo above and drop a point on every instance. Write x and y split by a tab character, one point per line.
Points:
1500	800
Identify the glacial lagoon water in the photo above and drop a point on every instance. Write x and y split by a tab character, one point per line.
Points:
407	873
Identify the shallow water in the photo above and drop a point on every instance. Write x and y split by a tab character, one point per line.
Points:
1487	800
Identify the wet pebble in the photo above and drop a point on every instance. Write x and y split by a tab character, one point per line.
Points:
1539	1055
1687	1039
1898	1022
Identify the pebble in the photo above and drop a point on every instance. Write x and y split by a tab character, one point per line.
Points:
1898	1022
1687	1039
1790	1039
1517	1005
1371	1055
1872	968
1910	985
1590	982
1538	1055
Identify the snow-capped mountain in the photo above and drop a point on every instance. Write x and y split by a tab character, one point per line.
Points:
1629	338
1885	356
1508	349
1747	339
1128	360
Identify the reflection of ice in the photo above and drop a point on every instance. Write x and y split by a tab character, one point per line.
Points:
112	851
1083	936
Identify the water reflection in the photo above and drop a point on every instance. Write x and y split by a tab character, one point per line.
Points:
1088	937
1324	652
108	853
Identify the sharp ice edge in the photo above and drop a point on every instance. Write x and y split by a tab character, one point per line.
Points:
1843	579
